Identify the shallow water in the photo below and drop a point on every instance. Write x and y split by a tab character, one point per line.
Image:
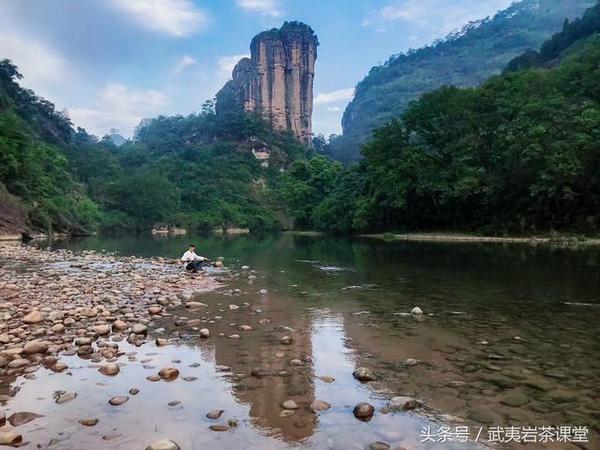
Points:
508	338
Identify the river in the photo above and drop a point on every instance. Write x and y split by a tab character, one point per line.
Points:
508	338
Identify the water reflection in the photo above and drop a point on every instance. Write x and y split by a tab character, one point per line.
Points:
508	338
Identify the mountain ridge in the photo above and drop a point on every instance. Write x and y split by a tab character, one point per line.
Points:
466	58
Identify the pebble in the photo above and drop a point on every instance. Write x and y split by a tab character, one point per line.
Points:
139	328
33	317
67	397
363	374
21	418
363	411
118	400
161	342
289	404
221	427
379	446
319	405
327	379
10	438
89	422
102	330
215	414
119	325
169	373
163	444
402	403
35	347
134	391
286	340
109	369
416	311
204	333
18	363
233	307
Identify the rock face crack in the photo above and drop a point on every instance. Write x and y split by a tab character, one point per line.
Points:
277	80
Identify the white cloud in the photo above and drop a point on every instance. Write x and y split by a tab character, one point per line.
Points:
265	7
119	107
225	65
443	15
41	67
334	96
183	63
178	18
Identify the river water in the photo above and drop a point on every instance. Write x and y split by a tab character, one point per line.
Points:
508	339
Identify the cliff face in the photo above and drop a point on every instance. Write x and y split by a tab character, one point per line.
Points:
277	80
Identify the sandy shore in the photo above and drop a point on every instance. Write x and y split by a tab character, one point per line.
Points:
465	238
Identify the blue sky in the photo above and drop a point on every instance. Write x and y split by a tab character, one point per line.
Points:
111	63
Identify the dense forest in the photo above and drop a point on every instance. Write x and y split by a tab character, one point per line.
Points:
465	58
196	171
517	155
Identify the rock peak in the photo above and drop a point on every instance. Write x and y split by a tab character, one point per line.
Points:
277	80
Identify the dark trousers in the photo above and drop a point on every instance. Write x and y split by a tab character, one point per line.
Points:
194	265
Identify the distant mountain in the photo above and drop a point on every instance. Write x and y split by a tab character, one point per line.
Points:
115	138
561	43
465	58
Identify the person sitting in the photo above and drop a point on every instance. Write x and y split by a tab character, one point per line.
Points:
192	261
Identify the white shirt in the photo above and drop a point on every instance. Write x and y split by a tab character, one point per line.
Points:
191	256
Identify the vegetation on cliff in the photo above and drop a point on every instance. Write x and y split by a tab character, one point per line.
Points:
467	58
35	141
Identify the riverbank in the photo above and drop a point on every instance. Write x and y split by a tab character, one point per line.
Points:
58	304
467	238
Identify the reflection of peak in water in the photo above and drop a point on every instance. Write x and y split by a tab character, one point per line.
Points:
258	356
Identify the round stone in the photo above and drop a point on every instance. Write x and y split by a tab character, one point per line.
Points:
109	369
289	404
118	400
363	411
163	444
363	374
168	373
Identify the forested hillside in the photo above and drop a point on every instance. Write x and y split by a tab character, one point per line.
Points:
35	169
196	171
518	155
467	58
554	48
